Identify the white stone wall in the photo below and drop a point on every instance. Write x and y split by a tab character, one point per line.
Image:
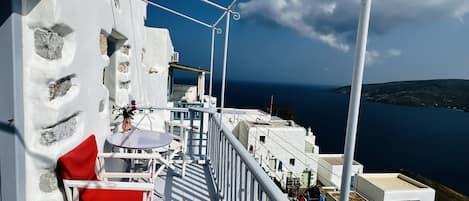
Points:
158	50
151	77
331	174
65	50
373	191
369	190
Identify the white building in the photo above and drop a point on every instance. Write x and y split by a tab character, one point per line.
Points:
394	186
286	151
330	169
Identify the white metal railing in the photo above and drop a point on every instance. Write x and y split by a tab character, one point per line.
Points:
236	175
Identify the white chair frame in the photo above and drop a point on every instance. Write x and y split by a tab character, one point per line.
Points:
71	186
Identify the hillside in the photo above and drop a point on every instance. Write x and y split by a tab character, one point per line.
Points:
450	94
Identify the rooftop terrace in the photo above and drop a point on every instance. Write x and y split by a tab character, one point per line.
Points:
393	182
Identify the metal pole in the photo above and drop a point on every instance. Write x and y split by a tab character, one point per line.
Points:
179	14
214	5
354	104
225	54
219	19
211	68
271	105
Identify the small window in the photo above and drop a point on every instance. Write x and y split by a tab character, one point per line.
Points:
262	139
292	161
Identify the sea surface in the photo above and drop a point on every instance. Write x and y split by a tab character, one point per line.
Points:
431	142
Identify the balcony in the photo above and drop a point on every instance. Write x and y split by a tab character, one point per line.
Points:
185	92
219	167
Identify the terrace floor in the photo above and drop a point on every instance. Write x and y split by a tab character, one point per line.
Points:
196	185
169	185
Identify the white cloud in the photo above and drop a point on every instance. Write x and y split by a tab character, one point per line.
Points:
371	57
375	56
328	8
292	14
334	22
394	52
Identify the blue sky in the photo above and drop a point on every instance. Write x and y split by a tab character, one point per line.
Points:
312	41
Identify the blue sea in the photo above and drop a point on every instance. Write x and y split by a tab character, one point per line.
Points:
431	142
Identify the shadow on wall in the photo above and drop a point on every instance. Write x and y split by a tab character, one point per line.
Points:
8	8
12	130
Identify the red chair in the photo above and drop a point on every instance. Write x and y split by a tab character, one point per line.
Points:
77	169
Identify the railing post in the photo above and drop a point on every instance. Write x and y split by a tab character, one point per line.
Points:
236	176
208	148
212	48
233	163
201	134
191	133
225	55
181	122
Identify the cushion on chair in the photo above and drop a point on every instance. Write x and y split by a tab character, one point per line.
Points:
79	163
110	195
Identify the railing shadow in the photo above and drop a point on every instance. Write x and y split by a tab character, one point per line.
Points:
192	187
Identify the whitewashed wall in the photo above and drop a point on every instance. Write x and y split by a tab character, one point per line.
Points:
331	174
374	191
158	50
11	107
276	145
152	91
65	53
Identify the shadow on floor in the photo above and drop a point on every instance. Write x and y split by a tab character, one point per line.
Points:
196	185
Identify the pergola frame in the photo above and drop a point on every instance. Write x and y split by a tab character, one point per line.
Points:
228	11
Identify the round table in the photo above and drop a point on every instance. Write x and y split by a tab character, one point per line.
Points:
140	139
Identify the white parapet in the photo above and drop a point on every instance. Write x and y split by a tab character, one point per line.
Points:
392	186
330	169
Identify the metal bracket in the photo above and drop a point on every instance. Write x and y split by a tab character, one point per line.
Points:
236	15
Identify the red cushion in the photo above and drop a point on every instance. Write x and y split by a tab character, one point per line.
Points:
110	195
79	163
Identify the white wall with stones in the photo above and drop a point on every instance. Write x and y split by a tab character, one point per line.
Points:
80	57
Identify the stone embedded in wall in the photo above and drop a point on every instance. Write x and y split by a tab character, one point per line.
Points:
123	67
124	85
48	182
62	29
103	43
125	49
48	43
117	4
115	42
60	87
101	106
59	131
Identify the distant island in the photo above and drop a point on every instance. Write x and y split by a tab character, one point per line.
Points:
448	93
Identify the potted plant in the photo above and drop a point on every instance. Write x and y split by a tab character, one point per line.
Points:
127	114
